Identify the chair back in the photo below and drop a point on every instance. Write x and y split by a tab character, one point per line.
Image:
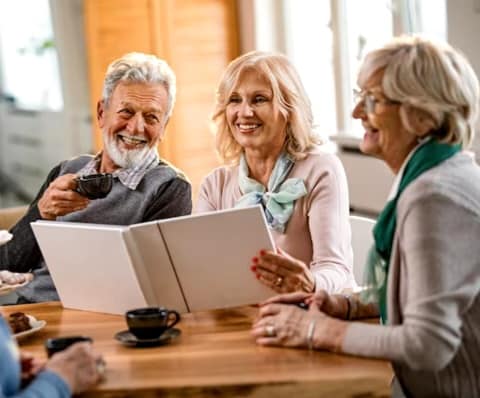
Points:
9	216
362	240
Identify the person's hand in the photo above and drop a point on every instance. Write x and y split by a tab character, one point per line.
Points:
30	366
282	272
335	305
289	298
282	324
289	326
60	198
78	366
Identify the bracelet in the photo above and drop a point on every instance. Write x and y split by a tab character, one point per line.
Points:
310	331
349	307
352	307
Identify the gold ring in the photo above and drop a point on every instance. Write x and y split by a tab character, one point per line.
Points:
270	331
278	281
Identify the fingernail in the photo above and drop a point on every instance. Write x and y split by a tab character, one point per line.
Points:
263	252
255	260
253	268
257	276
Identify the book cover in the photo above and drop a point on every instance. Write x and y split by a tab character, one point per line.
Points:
188	263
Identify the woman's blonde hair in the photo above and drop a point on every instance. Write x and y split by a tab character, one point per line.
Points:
429	77
289	96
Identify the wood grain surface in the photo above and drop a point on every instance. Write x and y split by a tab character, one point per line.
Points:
215	356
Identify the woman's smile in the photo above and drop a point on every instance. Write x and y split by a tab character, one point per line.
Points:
248	128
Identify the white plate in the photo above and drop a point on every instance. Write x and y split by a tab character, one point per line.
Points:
36	326
7	289
5	236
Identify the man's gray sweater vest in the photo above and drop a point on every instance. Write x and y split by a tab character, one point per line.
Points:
162	193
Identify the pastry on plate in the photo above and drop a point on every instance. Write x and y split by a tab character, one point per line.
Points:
19	322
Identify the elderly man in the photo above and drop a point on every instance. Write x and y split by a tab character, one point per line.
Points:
138	98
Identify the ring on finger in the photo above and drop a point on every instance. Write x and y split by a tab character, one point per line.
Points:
270	331
279	281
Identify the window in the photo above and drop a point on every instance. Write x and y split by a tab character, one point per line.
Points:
30	73
361	37
327	40
392	17
308	27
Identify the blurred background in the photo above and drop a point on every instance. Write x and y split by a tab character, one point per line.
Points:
54	53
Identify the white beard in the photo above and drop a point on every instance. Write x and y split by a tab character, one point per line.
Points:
125	159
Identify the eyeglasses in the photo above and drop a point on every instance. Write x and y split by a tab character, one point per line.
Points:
370	102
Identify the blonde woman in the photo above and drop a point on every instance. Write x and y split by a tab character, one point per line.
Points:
272	157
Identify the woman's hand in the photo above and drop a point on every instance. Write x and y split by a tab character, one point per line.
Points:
290	298
60	198
289	326
334	305
78	366
282	272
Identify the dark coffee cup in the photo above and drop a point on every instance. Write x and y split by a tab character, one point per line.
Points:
95	186
150	322
58	344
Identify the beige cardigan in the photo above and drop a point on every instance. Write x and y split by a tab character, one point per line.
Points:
433	336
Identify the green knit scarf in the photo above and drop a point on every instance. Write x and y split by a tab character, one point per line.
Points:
425	157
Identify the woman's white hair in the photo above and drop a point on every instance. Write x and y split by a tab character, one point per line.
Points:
140	68
429	77
289	96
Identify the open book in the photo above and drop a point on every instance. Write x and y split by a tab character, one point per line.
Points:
188	263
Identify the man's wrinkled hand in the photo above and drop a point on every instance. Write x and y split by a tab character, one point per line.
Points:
60	198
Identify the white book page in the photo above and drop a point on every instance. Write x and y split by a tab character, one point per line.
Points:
150	247
212	255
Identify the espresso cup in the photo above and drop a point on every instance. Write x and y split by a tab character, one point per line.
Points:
150	322
58	344
95	186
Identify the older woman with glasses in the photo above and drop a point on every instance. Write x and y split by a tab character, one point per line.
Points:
272	157
418	104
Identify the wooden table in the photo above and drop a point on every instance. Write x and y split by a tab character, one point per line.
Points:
214	357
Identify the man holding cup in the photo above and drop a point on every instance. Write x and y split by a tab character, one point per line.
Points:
137	102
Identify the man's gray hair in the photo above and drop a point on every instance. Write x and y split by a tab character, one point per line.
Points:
140	68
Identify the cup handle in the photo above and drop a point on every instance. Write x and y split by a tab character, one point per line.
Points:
173	320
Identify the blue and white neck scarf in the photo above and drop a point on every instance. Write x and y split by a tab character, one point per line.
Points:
279	199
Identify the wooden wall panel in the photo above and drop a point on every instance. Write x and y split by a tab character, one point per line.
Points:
197	38
205	41
113	28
